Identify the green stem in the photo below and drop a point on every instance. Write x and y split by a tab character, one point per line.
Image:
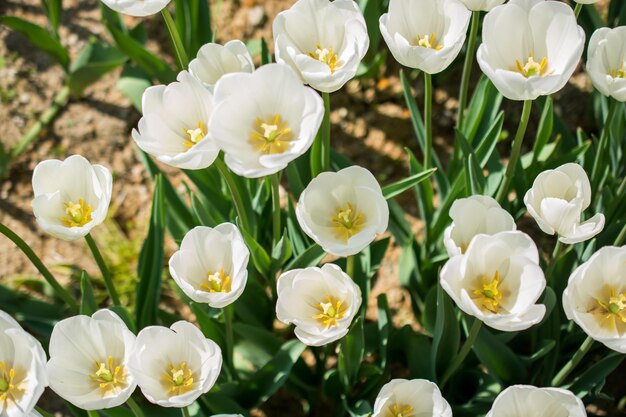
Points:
569	366
515	153
577	9
320	151
619	240
350	266
46	118
179	49
229	312
134	407
92	413
556	255
43	412
106	275
428	119
604	137
30	254
467	346
234	190
276	207
185	411
467	68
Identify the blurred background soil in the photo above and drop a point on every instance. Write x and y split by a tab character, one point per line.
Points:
370	125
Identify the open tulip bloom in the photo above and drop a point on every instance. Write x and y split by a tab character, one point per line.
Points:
595	297
215	60
174	125
526	400
210	266
320	302
556	201
416	397
498	280
425	34
175	366
71	196
137	8
89	361
530	47
264	120
605	61
343	211
22	369
478	214
322	41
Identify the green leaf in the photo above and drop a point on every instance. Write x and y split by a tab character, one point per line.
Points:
384	325
53	10
351	353
595	376
310	257
261	260
88	304
544	131
40	38
151	258
132	83
209	325
92	62
447	335
392	190
281	253
266	55
218	402
498	357
482	109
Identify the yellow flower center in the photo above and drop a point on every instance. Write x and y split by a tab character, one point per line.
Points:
78	214
327	56
110	377
272	136
178	380
532	68
615	308
400	411
347	222
217	282
428	41
330	311
195	135
10	389
619	72
489	296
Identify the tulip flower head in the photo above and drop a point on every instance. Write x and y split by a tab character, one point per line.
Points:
606	59
139	8
210	266
22	369
475	215
71	196
530	47
89	360
425	34
264	120
484	5
498	280
215	60
183	367
556	201
343	211
174	125
595	297
320	302
407	398
323	41
526	400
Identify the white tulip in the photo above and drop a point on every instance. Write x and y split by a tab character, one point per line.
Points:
320	302
530	47
214	60
343	211
89	360
498	280
139	8
425	34
605	61
556	201
175	366
174	125
595	297
264	120
478	214
526	400
322	41
22	369
71	196
416	397
484	5
210	266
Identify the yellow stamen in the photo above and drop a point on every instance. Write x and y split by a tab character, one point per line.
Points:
217	282
618	72
272	136
489	296
327	56
347	222
110	376
613	310
330	311
195	135
429	42
400	411
532	68
78	214
178	380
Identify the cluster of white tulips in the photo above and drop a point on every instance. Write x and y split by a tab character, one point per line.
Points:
255	122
